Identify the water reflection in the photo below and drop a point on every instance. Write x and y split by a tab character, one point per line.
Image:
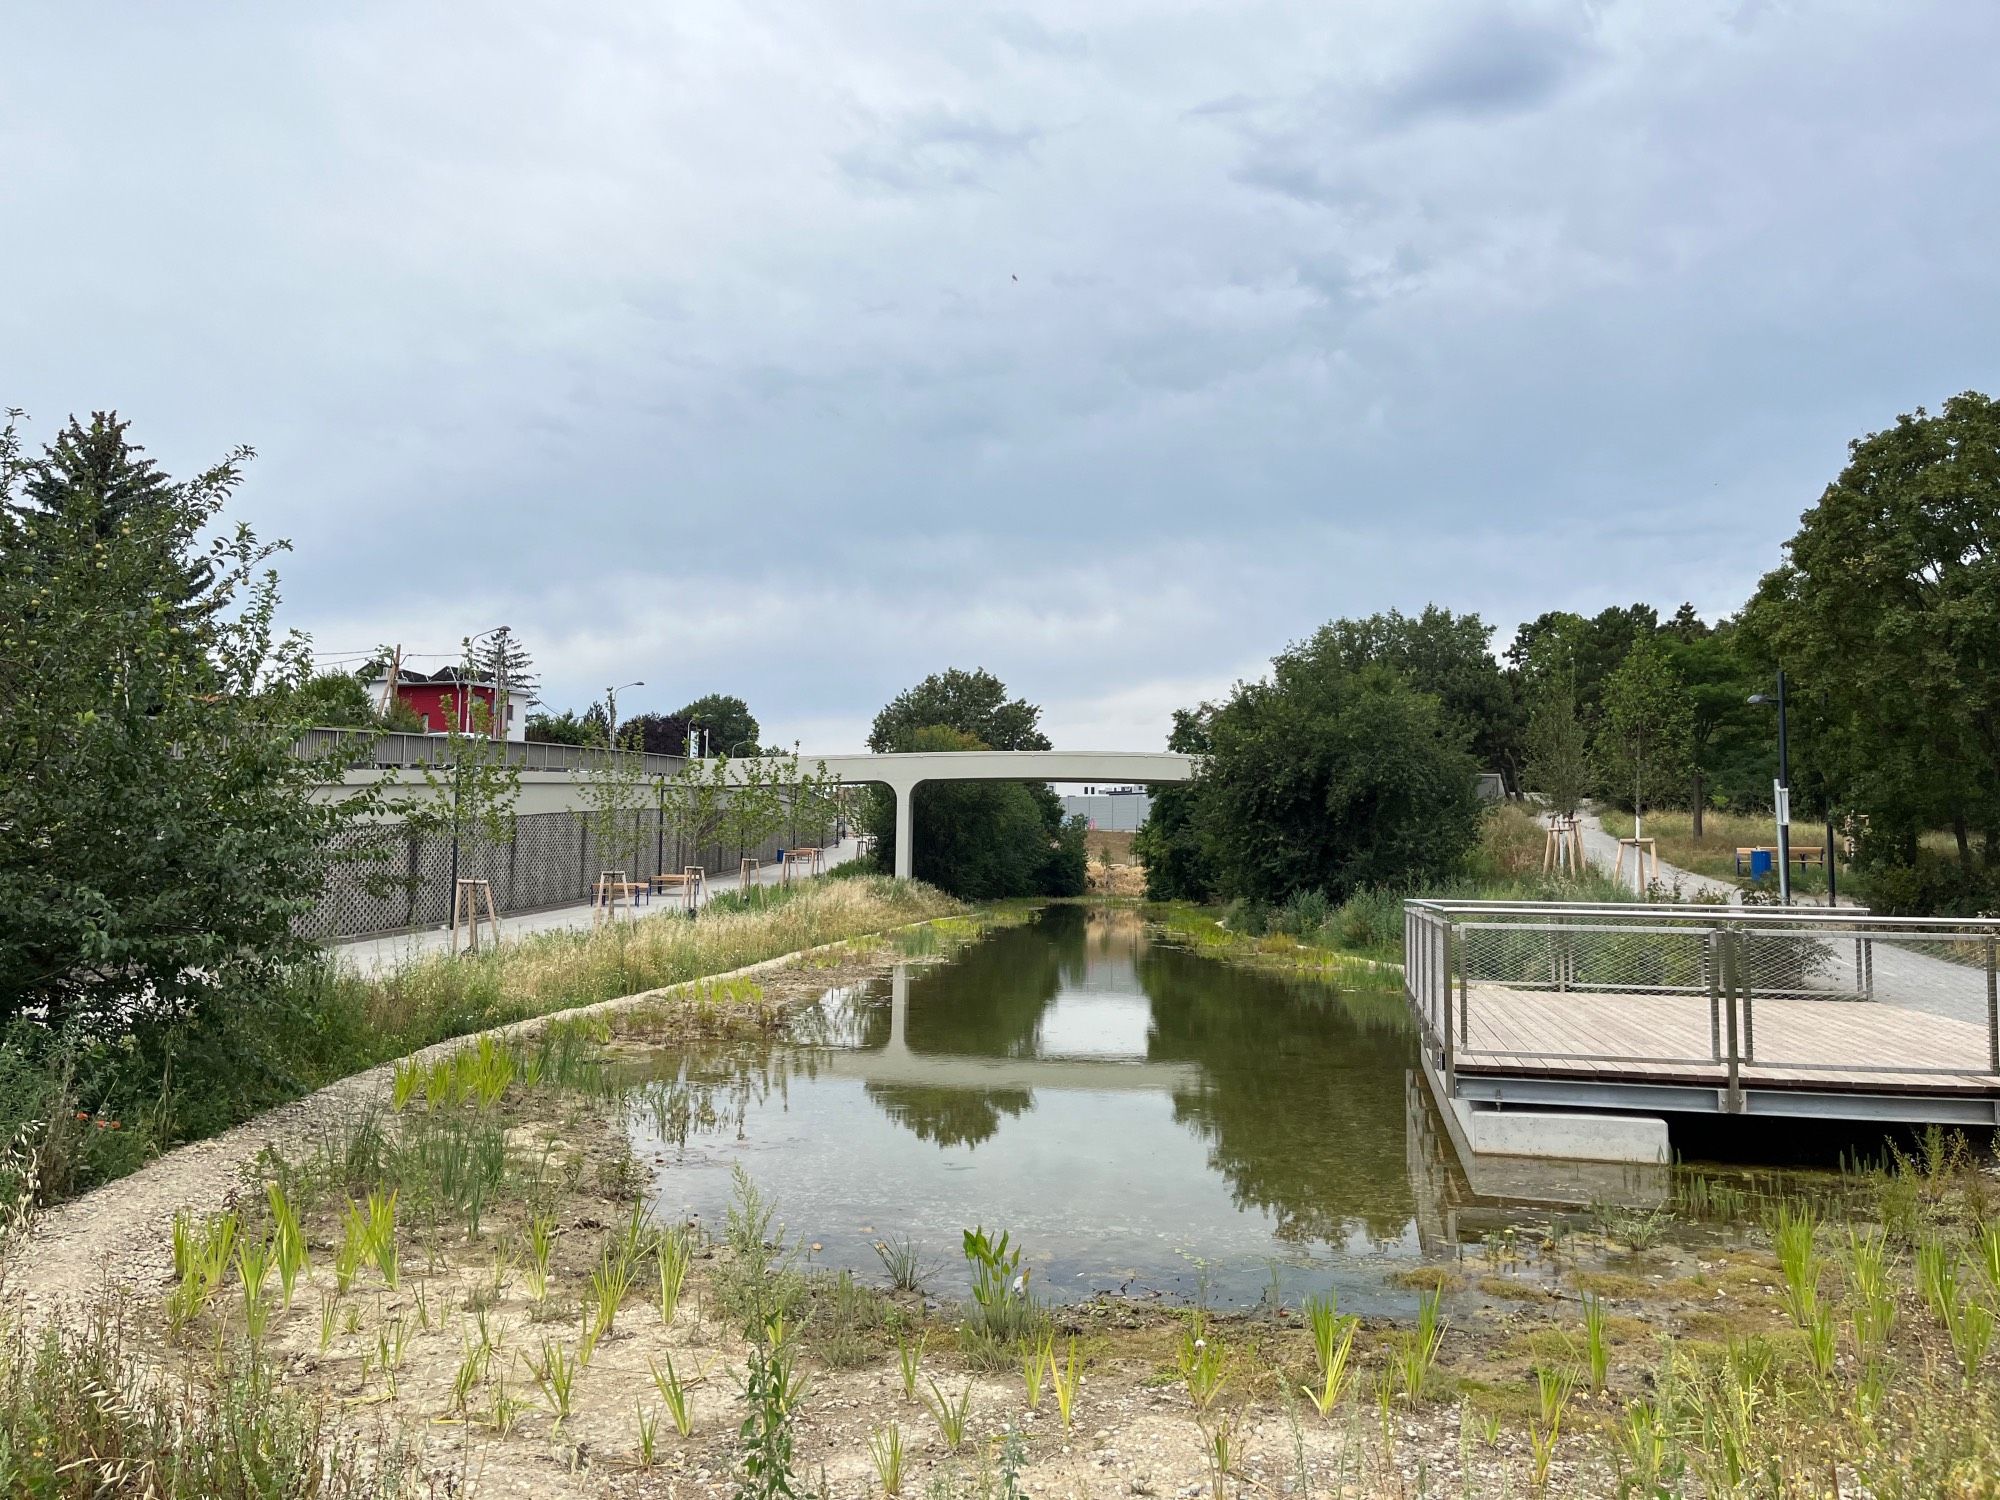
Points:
1128	1107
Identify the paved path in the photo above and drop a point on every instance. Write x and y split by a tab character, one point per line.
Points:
376	955
1600	847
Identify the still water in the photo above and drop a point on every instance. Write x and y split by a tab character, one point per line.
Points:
1143	1119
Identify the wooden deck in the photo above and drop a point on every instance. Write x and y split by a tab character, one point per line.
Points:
1830	1045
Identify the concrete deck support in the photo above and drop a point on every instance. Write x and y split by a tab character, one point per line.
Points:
905	840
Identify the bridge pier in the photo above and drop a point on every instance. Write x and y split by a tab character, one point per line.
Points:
905	840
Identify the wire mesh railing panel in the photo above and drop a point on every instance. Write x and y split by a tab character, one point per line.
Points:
1607	959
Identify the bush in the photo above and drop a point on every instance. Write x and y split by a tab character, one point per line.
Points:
1369	919
1934	886
1248	916
1302	914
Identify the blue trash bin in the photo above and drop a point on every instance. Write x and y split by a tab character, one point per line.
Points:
1760	864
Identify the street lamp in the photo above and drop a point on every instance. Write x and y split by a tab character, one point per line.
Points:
740	744
611	711
1783	793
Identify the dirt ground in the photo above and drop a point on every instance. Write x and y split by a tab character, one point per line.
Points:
1113	871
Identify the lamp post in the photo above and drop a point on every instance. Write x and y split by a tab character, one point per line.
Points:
1783	791
611	712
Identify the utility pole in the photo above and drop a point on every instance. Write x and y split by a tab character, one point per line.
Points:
1784	800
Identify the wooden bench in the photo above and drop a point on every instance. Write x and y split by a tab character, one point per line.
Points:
1802	854
690	883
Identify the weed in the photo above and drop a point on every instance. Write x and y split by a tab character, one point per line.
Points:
766	1434
908	1270
1201	1361
328	1302
1218	1445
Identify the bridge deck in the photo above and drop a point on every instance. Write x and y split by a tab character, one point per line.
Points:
1790	1043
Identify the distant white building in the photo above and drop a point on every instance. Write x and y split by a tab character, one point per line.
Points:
1115	809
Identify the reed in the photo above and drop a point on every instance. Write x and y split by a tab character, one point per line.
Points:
1417	1350
253	1270
673	1255
952	1416
1968	1323
674	1395
908	1357
1874	1301
288	1241
908	1270
1596	1354
1064	1381
1794	1231
648	1453
610	1281
201	1260
885	1447
541	1244
1333	1344
1553	1389
555	1375
1033	1366
381	1233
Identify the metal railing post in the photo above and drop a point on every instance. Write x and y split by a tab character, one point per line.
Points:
1992	1009
1732	1102
1710	962
1451	945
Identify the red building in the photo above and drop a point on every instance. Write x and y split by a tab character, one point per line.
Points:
452	699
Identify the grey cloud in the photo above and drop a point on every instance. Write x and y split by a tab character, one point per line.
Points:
936	151
1496	63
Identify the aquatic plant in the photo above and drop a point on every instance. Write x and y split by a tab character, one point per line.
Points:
541	1243
381	1235
1874	1301
1794	1232
201	1260
610	1281
1033	1367
648	1447
1968	1323
1201	1361
253	1269
908	1269
1004	1309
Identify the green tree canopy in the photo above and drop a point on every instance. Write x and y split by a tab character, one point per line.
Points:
1643	740
1329	778
158	836
974	703
1449	656
1887	611
1169	844
726	722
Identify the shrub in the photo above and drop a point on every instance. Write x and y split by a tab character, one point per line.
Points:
1368	919
1302	914
1933	886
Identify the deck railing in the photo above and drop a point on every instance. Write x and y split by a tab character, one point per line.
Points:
366	749
1680	989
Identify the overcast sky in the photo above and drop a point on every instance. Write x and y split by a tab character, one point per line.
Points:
801	349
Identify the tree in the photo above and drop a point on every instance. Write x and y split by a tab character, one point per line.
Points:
657	734
1169	843
1725	733
159	836
974	703
1887	609
1449	656
471	789
725	722
614	788
1558	764
1645	734
565	728
1328	778
502	660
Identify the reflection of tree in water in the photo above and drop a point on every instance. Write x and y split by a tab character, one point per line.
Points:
988	1002
1302	1095
712	1089
949	1117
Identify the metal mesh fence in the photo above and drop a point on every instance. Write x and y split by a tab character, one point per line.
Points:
389	878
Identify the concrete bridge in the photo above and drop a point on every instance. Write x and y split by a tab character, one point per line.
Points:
904	773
